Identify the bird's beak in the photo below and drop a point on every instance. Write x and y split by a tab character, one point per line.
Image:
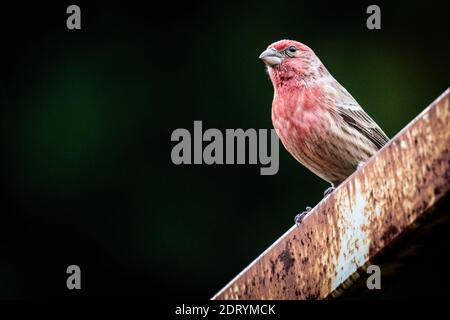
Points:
271	57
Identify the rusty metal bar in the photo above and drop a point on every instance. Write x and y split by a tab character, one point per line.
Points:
402	182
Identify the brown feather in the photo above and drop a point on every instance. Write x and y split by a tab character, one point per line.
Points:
355	116
358	120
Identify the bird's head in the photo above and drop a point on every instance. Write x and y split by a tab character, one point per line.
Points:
289	60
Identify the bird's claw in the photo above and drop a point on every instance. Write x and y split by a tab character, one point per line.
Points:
299	218
328	191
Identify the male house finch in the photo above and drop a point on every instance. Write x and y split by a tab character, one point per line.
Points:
317	120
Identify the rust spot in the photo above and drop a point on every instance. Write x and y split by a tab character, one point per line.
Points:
437	190
272	266
312	296
287	259
390	232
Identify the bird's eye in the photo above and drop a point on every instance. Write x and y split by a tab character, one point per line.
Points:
290	51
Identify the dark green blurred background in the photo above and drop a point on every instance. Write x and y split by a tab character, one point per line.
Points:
86	119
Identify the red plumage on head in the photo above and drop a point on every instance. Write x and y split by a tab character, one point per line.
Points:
285	43
295	68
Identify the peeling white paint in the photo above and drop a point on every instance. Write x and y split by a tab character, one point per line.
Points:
353	235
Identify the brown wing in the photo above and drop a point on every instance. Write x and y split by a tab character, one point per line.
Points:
352	113
361	121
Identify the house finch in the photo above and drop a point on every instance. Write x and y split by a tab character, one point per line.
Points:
317	120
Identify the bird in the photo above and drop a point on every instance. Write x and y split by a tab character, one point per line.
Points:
317	120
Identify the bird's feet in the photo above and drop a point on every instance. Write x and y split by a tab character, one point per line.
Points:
299	218
328	191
